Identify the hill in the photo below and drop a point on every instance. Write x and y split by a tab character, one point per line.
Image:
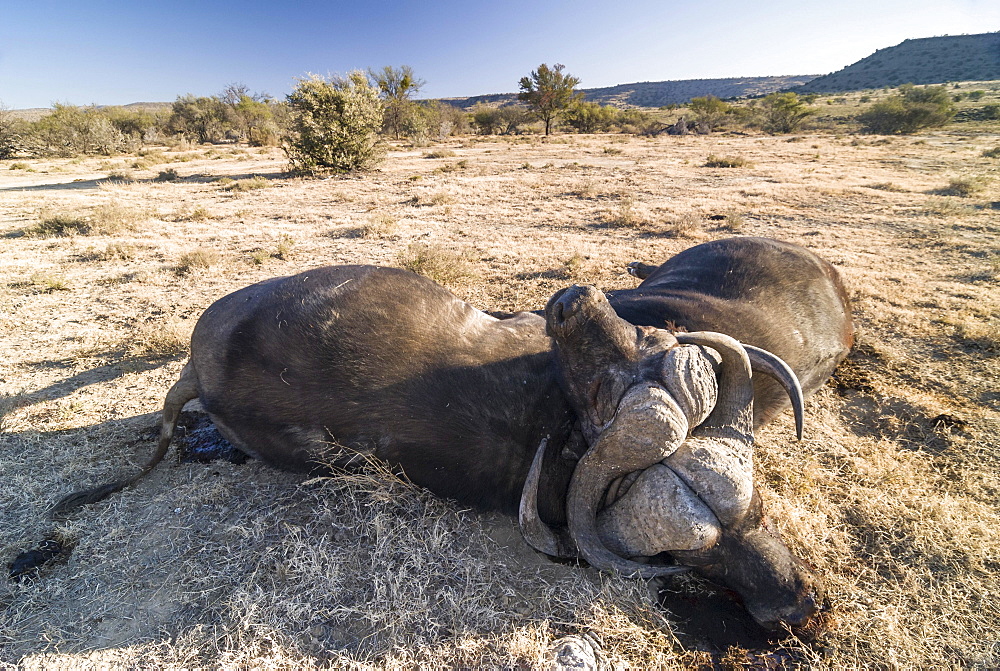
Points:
657	94
928	60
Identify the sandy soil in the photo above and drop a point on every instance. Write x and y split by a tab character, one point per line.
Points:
893	494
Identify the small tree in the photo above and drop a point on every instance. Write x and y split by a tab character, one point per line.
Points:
709	111
784	112
335	124
548	92
397	87
909	111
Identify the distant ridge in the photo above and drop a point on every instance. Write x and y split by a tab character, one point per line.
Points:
657	94
927	60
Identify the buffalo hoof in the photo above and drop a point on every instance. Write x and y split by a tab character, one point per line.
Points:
640	269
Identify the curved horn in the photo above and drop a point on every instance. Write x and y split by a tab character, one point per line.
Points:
649	426
763	361
539	534
734	409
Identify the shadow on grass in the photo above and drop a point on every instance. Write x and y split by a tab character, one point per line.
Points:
122	364
196	178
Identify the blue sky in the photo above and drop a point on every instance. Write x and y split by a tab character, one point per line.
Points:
96	51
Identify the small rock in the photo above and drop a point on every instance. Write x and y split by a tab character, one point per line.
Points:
572	653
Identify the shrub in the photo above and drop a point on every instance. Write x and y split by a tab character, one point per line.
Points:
734	221
199	119
46	283
282	250
990	112
168	175
709	111
912	110
976	95
507	120
440	119
784	112
685	225
439	153
589	117
63	224
116	251
12	134
335	125
714	161
987	153
964	186
70	130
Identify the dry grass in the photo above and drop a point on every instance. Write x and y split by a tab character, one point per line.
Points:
439	153
893	495
197	259
965	186
627	213
244	185
715	161
443	264
380	226
109	218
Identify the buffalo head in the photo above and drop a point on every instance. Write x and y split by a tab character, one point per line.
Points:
668	419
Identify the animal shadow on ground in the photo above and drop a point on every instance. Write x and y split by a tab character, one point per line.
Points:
121	365
870	413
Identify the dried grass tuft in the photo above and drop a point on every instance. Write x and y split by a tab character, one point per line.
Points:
444	265
716	161
202	258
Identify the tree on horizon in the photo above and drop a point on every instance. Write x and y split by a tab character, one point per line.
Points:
549	92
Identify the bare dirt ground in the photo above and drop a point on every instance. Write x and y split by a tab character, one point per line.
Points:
894	495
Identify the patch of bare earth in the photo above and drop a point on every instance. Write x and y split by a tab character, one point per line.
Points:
893	495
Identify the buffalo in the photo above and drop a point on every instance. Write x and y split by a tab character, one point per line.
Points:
618	427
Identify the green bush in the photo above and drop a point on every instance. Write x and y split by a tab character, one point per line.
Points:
335	125
784	112
709	111
911	110
199	119
71	130
991	112
442	120
588	117
507	120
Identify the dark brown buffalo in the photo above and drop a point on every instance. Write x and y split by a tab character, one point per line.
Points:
544	414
